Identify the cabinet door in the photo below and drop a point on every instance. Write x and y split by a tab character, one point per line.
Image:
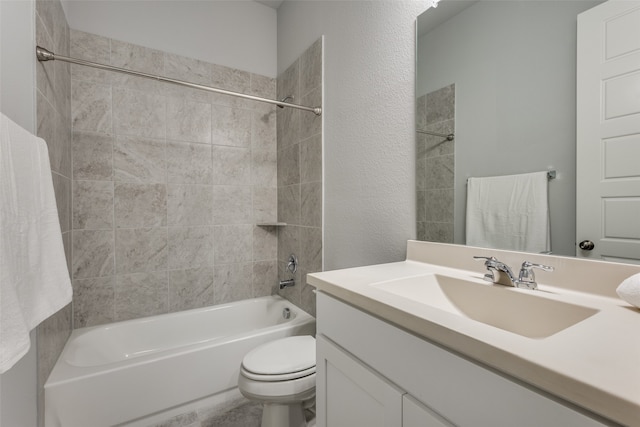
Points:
415	414
349	394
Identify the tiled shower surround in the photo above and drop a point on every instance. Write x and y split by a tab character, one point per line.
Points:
300	174
170	182
435	163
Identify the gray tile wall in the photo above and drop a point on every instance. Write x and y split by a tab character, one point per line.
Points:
53	112
168	184
300	174
435	163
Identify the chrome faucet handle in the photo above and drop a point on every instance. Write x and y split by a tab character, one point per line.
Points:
490	263
292	264
487	258
527	277
503	269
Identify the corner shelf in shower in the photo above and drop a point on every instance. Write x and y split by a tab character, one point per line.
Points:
271	224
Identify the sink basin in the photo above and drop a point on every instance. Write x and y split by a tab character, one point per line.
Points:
519	312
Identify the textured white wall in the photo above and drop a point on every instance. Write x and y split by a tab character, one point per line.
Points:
18	406
239	34
369	121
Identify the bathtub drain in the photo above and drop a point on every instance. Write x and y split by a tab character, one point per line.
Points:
286	313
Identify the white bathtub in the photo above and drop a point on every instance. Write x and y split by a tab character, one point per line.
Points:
113	374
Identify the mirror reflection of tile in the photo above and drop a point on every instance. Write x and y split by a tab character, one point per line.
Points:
435	162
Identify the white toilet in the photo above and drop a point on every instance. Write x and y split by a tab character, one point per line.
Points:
282	375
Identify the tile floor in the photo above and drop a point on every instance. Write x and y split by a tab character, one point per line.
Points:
237	413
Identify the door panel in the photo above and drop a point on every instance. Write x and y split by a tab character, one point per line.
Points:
621	157
622	33
415	414
350	394
608	131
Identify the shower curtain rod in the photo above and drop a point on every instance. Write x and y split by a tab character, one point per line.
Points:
448	136
45	55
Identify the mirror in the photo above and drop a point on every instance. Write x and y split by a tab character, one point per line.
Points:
500	76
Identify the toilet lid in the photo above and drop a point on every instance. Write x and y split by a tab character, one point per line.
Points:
282	356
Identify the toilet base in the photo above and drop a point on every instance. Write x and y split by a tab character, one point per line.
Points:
279	415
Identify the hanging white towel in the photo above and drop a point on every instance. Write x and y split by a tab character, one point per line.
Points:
509	212
34	280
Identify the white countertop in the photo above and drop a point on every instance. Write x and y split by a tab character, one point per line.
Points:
594	364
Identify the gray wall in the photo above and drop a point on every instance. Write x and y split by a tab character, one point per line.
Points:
18	391
46	112
300	175
53	109
513	64
17	66
369	121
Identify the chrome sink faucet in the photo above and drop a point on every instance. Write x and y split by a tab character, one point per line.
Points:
526	278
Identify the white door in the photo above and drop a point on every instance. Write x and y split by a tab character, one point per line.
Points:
608	132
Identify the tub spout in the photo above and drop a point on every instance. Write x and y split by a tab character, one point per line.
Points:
287	283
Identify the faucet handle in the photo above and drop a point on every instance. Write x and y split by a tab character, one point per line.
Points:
529	265
488	262
526	272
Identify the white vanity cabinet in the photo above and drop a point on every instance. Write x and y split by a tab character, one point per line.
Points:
354	394
415	414
372	373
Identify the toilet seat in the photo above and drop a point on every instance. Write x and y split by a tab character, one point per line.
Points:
290	391
281	371
279	377
281	360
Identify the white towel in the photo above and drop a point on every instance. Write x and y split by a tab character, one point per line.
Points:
509	212
34	280
629	290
